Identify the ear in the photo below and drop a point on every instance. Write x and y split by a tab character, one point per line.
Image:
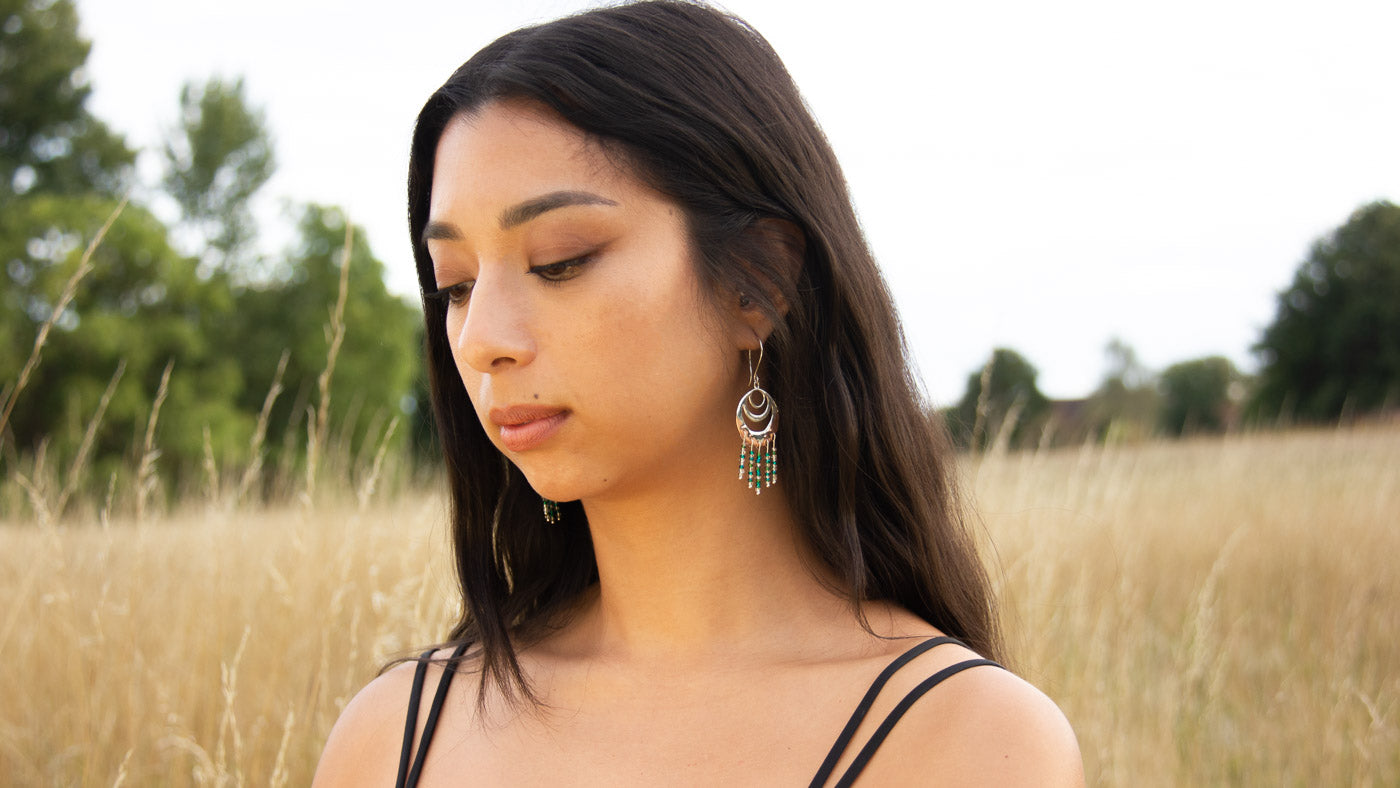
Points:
782	245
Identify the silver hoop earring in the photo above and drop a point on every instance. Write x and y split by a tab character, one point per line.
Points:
551	511
757	419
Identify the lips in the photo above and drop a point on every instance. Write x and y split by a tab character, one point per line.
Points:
523	427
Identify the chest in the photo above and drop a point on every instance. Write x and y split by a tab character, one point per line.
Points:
717	733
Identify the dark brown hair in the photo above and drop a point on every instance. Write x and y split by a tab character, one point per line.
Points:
697	104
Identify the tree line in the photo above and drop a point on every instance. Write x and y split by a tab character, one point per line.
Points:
1332	352
193	294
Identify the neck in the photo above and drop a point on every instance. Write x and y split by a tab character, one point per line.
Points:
699	569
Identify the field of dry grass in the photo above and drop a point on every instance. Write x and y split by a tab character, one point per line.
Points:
1206	612
1214	611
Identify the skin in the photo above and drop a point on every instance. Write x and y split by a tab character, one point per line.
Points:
709	653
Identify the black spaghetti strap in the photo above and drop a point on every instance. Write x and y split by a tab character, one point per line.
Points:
411	723
858	715
868	751
408	777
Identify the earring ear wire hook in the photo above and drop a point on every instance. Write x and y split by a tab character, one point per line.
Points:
753	369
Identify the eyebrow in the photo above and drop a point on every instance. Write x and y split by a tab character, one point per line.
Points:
517	215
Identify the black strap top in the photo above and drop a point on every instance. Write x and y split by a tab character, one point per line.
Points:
408	773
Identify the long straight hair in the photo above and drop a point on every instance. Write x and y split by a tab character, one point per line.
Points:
696	104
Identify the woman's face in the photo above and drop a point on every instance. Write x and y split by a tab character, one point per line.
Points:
576	322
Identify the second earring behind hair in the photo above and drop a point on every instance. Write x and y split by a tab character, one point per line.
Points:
757	420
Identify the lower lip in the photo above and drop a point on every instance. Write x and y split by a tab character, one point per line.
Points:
523	437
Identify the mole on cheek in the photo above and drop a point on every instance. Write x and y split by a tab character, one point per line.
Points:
537	396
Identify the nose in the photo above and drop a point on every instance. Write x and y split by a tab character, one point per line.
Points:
494	333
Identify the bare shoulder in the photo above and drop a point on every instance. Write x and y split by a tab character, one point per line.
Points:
1012	731
988	726
364	746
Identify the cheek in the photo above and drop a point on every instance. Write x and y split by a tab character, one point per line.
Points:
658	354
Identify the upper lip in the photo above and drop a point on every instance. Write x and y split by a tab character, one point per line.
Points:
513	415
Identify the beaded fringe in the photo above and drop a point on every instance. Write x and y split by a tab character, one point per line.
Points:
758	462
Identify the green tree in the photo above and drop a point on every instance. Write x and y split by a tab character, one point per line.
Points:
378	360
1334	344
1199	396
49	141
999	397
217	158
142	304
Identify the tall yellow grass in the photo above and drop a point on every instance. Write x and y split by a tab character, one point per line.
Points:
1212	612
1206	612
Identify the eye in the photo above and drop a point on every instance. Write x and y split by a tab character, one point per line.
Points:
453	295
563	270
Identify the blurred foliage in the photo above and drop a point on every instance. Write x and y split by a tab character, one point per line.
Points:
1334	345
378	362
222	319
218	157
1125	405
49	142
1123	408
1200	395
143	303
1001	403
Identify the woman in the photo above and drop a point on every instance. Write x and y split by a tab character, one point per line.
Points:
696	506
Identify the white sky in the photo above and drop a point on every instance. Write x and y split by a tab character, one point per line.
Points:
1037	175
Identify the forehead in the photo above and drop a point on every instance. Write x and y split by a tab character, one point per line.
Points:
509	151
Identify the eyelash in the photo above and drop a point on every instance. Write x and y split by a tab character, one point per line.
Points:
562	271
452	295
552	273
